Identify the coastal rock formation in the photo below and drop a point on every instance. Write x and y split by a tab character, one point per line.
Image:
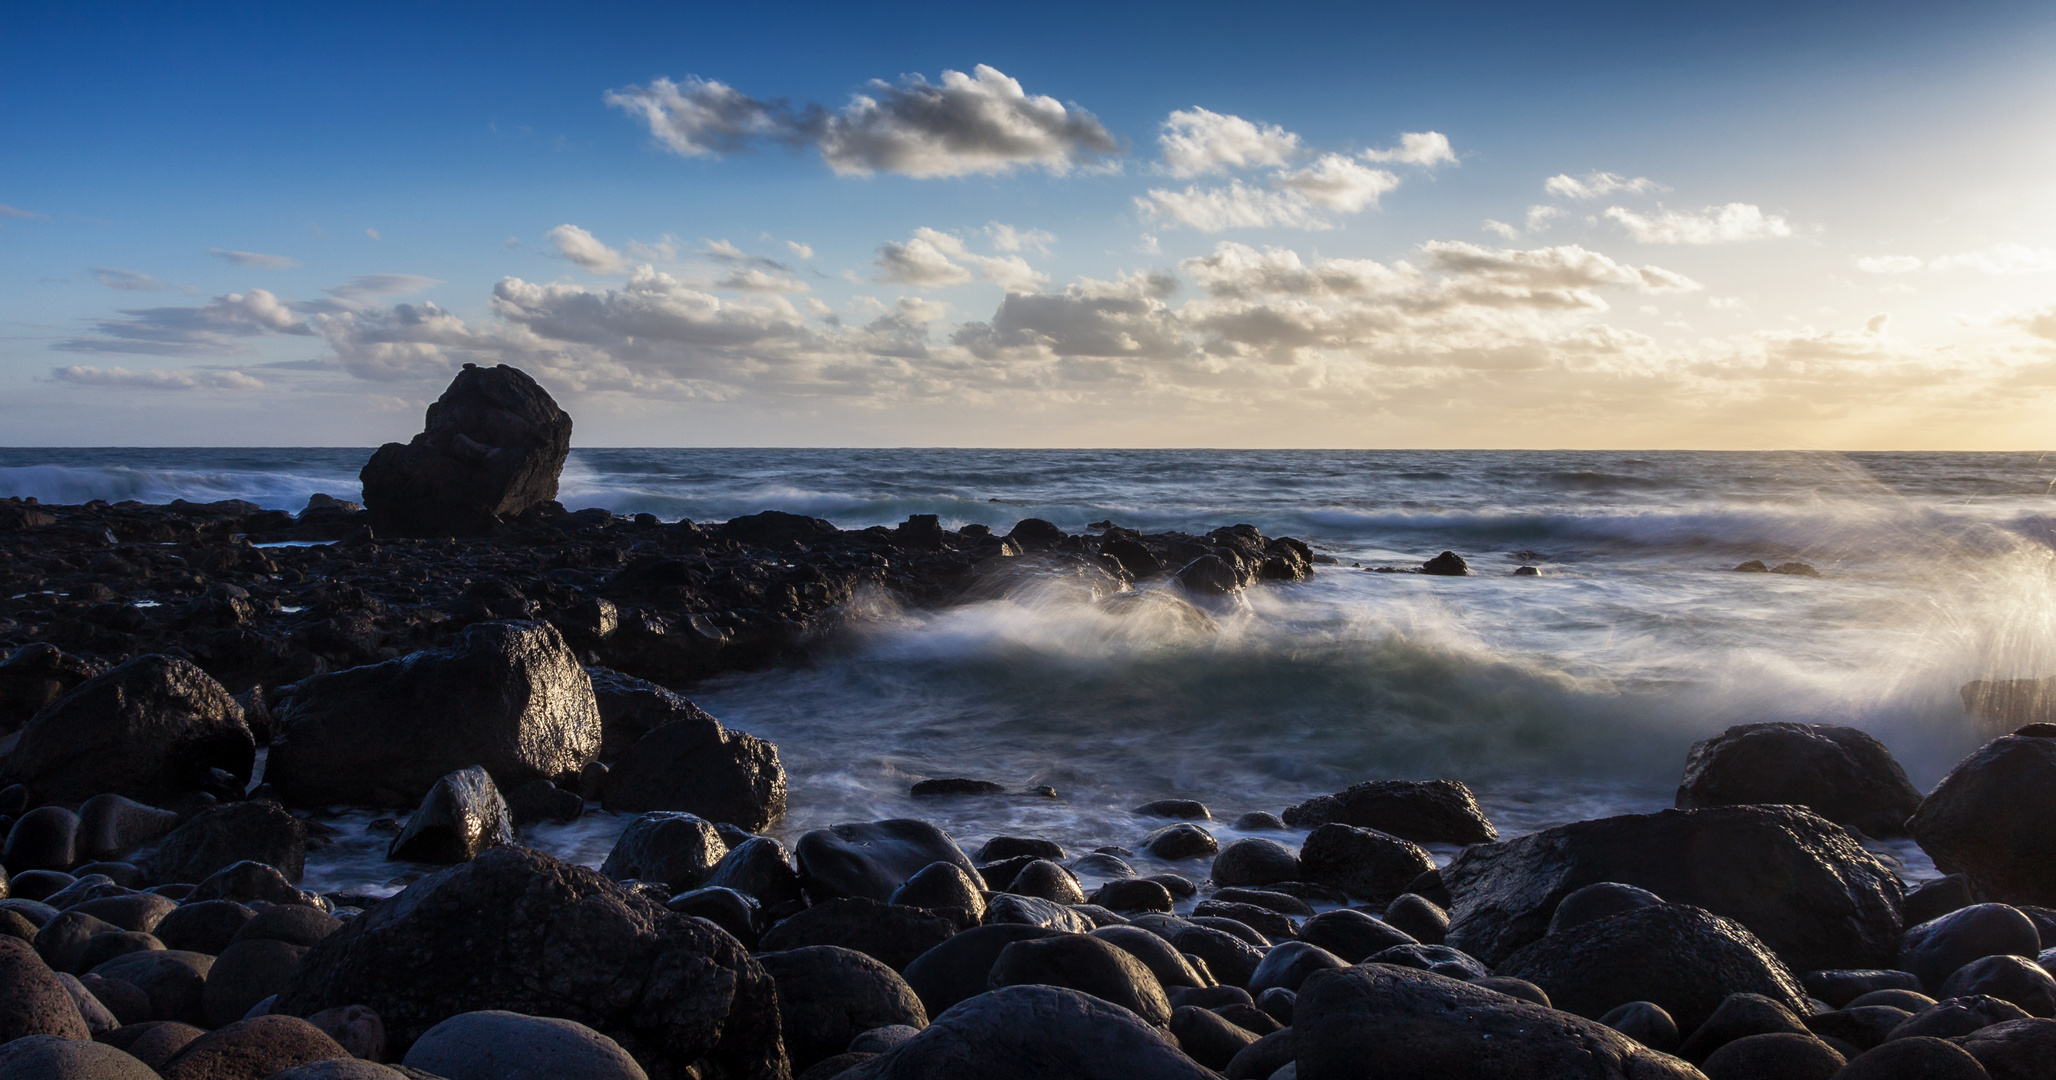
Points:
1797	881
695	765
151	729
1423	811
493	447
1842	774
1993	818
507	696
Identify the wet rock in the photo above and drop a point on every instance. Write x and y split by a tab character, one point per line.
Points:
1645	1022
507	696
462	815
1255	861
1936	948
153	1042
942	885
1841	773
1783	1055
1049	881
1934	899
1207	1038
295	924
1423	811
871	859
1799	883
106	946
1842	986
1010	847
777	529
1035	911
888	933
1740	1016
248	882
98	1017
1515	988
697	766
1599	901
828	996
1208	575
1181	841
1418	917
33	1001
1993	817
1288	964
958	967
1860	1026
631	708
1228	958
226	835
1381	1021
173	981
758	867
1364	863
667	989
1176	809
1682	958
954	785
45	838
1133	894
246	973
540	800
2008	978
1906	1059
1952	1017
492	447
1029	1032
678	849
1264	921
1352	935
111	826
150	729
52	1057
355	1029
2015	1050
1439	959
1170	967
1447	564
36	675
37	884
500	1045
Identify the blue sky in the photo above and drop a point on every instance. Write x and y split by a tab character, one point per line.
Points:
1288	225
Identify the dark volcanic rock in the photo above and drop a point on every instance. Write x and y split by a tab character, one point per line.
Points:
1783	1055
828	996
2008	978
1352	935
44	839
1172	970
888	933
460	816
695	765
1994	818
507	696
631	708
494	1044
871	859
942	885
493	447
1800	883
1085	963
1738	1017
1936	948
1181	841
517	930
1365	863
34	676
1423	811
33	1001
150	729
1953	1017
1910	1058
1599	901
2015	1050
1383	1021
679	850
959	967
1840	773
1255	861
1682	958
760	868
51	1057
226	835
111	826
1034	1033
252	1049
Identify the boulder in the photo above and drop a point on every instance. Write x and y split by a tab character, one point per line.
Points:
494	1044
493	446
2008	978
1423	811
828	996
2015	1050
1776	1056
1035	911
226	835
1911	1058
174	981
631	708
872	859
730	910
943	885
1132	894
1740	1016
1253	860
35	675
507	696
1934	899
152	729
889	933
1181	841
1798	882
1934	949
517	930
1367	864
1208	1038
1288	964
1599	901
1841	773
540	800
205	926
959	967
1683	958
1352	935
33	1000
759	868
246	973
251	1049
679	850
1418	916
1087	964
248	882
1993	818
1229	959
1049	881
1172	970
462	815
1646	1023
1439	959
695	765
354	1028
343	1069
1034	1033
111	826
1374	1020
52	1057
1953	1017
1839	987
152	1042
45	838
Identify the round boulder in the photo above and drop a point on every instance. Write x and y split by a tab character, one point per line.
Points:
1841	773
493	1044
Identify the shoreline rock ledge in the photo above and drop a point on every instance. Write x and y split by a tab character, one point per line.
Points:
493	446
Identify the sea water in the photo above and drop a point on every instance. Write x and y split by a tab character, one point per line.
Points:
1568	695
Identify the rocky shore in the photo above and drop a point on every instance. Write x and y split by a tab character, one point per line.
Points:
184	704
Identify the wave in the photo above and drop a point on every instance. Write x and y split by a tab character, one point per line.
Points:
272	489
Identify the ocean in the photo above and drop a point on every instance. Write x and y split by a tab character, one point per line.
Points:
1559	697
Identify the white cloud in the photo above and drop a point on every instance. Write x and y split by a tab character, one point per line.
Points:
1423	148
1501	229
1539	217
2000	260
1337	183
126	280
1008	238
1888	264
1237	206
219	327
254	260
756	279
156	378
983	122
1197	141
799	250
582	248
1713	225
1596	185
933	258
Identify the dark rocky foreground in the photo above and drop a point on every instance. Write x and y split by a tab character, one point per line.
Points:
152	923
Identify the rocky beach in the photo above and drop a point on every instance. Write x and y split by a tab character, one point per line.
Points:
421	783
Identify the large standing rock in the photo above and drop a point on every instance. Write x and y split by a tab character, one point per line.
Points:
494	445
695	765
1034	1033
462	815
1994	818
1800	883
150	729
871	859
515	929
1840	773
1377	1020
509	696
226	835
1682	958
1424	811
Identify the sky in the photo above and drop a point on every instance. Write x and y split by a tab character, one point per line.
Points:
1736	226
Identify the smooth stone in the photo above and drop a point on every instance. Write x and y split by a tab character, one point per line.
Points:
1914	1059
1646	1022
53	1057
1173	972
1181	841
1774	1056
676	848
1423	811
251	1049
759	867
1352	935
827	996
958	968
33	1000
462	815
2008	978
1599	901
1255	861
872	859
205	926
1933	950
889	933
1841	773
494	1044
1033	1033
1951	1017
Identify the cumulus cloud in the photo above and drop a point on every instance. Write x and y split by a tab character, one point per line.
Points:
1197	141
1337	183
1598	185
757	279
125	280
1539	217
799	250
933	258
581	247
978	123
1424	148
254	260
1008	238
1501	229
156	378
1714	225
219	327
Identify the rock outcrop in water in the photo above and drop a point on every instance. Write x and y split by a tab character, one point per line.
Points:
493	447
1840	773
